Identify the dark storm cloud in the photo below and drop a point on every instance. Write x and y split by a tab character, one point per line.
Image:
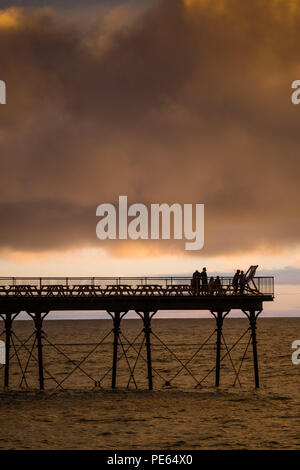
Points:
55	223
172	104
59	3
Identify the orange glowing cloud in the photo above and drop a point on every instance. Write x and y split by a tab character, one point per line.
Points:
9	18
163	106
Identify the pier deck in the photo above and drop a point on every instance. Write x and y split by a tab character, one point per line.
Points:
128	293
117	296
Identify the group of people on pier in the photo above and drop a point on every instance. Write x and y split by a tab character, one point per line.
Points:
201	284
239	282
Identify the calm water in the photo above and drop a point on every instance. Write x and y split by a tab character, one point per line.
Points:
87	414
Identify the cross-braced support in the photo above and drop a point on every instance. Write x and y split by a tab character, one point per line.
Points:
116	318
116	330
219	316
147	331
8	326
147	317
38	323
252	317
8	319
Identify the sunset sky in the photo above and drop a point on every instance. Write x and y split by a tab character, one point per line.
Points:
185	101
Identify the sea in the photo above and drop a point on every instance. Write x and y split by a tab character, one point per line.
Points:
185	410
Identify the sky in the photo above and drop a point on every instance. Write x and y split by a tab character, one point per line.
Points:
183	101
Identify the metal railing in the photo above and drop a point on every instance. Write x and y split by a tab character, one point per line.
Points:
257	286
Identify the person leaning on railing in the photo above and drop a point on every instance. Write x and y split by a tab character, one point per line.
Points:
235	281
195	282
242	282
218	285
204	280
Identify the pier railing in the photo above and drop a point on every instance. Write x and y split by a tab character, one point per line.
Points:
72	286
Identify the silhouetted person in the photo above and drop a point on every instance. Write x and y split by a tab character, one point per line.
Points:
242	282
211	285
196	282
235	281
217	285
204	280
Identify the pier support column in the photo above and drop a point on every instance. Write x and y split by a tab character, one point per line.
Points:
219	316
252	319
38	322
8	319
116	330
147	332
219	320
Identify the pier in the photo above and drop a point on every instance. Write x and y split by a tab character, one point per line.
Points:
117	296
